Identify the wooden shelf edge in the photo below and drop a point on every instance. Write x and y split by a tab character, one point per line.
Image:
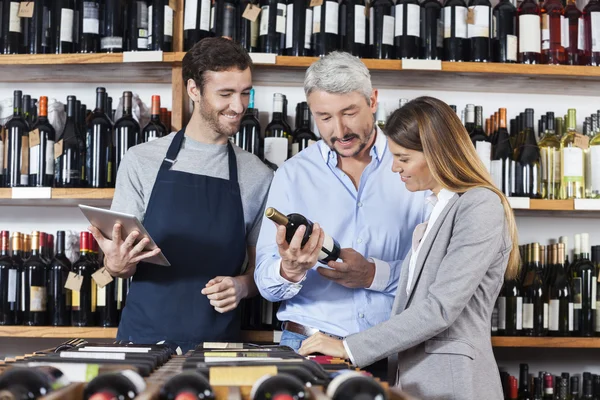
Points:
552	205
547	342
63	194
57	332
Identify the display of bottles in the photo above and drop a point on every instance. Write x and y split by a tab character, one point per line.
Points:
84	301
41	149
432	30
127	130
17	142
381	29
99	146
160	25
530	35
299	26
277	135
188	384
354	28
196	24
504	33
456	43
126	384
9	283
31	383
34	284
479	23
407	28
330	251
272	25
249	137
155	128
571	162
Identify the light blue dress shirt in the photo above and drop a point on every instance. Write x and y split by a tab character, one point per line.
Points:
377	220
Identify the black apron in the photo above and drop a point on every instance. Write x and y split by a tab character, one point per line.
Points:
198	223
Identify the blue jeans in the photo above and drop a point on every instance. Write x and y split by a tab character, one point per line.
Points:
292	340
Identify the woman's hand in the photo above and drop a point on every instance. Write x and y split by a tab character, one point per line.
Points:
321	343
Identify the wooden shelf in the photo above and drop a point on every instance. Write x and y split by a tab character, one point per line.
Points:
547	342
55	197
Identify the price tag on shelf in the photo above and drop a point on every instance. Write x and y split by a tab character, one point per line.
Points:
173	4
25	9
519	203
582	141
222	345
34	138
238	376
102	277
316	3
263	58
429	65
587	204
58	148
142	56
251	12
74	282
31	193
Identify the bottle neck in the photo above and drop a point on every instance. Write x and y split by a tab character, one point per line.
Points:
60	244
100	98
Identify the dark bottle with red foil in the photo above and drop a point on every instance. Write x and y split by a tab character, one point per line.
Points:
83	302
34	282
123	385
553	39
530	33
573	34
591	38
9	280
187	385
59	298
155	128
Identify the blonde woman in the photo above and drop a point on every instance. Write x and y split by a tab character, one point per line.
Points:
440	323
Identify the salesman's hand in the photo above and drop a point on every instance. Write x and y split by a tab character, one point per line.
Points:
353	272
225	292
295	259
121	256
321	343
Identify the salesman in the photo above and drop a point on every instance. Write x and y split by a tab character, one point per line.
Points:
201	199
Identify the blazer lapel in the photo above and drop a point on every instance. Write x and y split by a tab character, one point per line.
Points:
401	298
426	247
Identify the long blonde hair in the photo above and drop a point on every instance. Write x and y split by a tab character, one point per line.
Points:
429	125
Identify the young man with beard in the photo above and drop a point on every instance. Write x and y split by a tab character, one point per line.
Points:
201	199
346	184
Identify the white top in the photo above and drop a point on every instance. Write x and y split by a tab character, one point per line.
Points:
439	202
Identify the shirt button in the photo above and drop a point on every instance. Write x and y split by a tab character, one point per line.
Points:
359	240
361	315
359	204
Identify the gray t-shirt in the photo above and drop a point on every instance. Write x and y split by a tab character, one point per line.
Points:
139	169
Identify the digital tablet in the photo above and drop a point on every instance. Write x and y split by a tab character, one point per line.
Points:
105	220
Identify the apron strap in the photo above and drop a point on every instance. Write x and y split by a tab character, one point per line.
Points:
171	156
233	171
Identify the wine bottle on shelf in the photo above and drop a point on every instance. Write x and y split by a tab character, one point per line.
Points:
63	14
16	255
527	175
502	164
504	33
70	164
510	309
155	128
32	382
248	29
9	281
480	140
407	29
34	282
272	26
83	302
596	262
41	149
12	28
381	29
325	29
537	389
299	26
524	392
59	297
106	308
591	33
432	30
572	34
89	26
456	43
38	29
127	130
225	23
330	251
160	26
553	39
196	24
17	142
353	28
530	35
550	161
572	168
99	160
574	387
277	386
249	137
277	145
136	32
303	136
535	309
125	384
187	385
354	385
479	16
27	111
561	303
584	289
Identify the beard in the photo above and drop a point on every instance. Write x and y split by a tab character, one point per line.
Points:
211	116
361	145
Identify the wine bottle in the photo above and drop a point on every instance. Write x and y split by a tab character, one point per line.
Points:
535	309
553	22
596	262
32	382
480	140
187	385
572	34
16	241
504	32
89	26
155	128
571	162
12	28
9	280
299	28
196	24
70	163
510	309
502	164
530	39
225	23
83	302
125	384
353	28
38	29
160	19
127	130
34	282
59	297
456	43
63	14
249	136
136	32
17	141
112	31
524	391
381	29
303	136
99	146
277	147
272	26
588	390
574	387
325	28
584	290
278	386
248	29
432	30
330	251
407	28
41	149
591	33
561	303
548	387
550	161
479	17
354	385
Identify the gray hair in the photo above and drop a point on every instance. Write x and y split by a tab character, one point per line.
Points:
339	73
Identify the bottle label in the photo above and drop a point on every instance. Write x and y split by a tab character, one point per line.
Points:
528	316
332	12
34	154
14	24
564	30
460	22
484	151
501	313
316	19
360	25
308	29
545	323
594	292
94	291
413	18
572	164
205	12
12	286
168	30
554	315
66	25
328	246
150	25
595	168
264	21
388	30
496	173
50	157
594	20
190	15
571	312
577	296
22	291
440	33
289	36
101	293
276	150
545	32
2	166
280	25
25	160
511	47
550	161
580	35
479	24
530	35
111	42
495	320
212	19
91	22
75	303
37	299
597	316
371	26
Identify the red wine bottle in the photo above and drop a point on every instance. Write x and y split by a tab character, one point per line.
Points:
530	34
456	44
34	283
127	130
283	386
432	30
41	149
136	35
249	137
160	26
12	28
303	136
37	29
225	23
99	138
187	385
271	33
299	22
325	29
63	22
354	28
479	24
407	29
31	383
572	34
381	29
59	298
504	33
196	23
9	280
155	128
122	385
354	385
17	140
89	26
84	301
591	30
330	251
70	164
553	39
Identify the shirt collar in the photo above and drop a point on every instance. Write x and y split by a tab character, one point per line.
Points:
443	196
377	151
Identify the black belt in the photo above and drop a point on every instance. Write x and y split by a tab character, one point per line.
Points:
306	330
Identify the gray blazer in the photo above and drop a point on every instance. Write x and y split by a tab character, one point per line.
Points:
441	330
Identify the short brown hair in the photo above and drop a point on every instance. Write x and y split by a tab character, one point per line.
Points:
213	54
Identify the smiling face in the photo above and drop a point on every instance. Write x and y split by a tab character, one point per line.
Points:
224	99
413	168
345	121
